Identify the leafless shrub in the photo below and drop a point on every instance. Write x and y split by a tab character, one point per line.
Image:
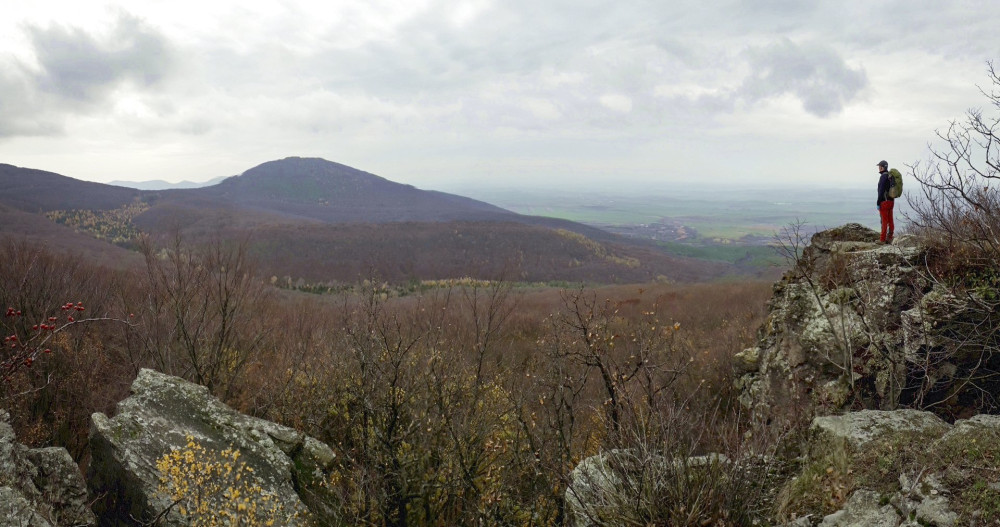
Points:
200	316
667	477
957	213
959	203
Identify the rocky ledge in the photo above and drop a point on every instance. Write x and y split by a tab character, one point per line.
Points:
39	487
855	325
897	469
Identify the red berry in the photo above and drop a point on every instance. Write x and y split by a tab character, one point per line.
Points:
35	327
47	350
70	318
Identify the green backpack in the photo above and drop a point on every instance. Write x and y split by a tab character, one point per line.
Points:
895	184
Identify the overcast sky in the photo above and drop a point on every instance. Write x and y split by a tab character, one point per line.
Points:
446	94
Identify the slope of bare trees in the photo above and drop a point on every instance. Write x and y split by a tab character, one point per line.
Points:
463	404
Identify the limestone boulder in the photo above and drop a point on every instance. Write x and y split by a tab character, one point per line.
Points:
166	415
599	483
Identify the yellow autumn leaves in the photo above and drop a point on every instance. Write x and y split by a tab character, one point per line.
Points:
217	489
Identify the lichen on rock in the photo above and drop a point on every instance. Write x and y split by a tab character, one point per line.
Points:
165	414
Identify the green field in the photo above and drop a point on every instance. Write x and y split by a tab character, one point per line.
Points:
738	226
716	217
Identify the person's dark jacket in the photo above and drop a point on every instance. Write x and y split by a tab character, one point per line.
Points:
883	188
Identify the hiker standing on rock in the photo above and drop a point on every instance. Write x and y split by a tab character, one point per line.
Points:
885	202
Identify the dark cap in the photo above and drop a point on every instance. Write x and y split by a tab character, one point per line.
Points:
883	164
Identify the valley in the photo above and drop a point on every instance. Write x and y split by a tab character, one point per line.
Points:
747	215
483	346
736	225
324	224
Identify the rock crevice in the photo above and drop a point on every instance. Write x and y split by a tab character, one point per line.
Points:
40	487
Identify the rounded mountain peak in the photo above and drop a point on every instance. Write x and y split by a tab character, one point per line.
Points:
307	179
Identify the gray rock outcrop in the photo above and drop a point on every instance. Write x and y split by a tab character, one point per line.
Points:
167	415
855	324
39	487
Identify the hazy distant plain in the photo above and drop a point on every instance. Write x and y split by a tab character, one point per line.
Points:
725	215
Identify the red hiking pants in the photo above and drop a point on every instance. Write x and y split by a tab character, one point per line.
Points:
885	211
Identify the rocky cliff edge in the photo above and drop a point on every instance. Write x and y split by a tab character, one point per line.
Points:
859	325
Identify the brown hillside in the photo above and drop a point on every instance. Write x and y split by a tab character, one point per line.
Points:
402	251
320	221
39	191
18	225
201	216
335	193
288	190
315	190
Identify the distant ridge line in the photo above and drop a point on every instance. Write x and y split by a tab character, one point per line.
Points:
159	184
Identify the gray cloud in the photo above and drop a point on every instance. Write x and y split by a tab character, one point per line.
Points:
21	112
520	64
77	72
515	38
815	74
80	68
377	80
